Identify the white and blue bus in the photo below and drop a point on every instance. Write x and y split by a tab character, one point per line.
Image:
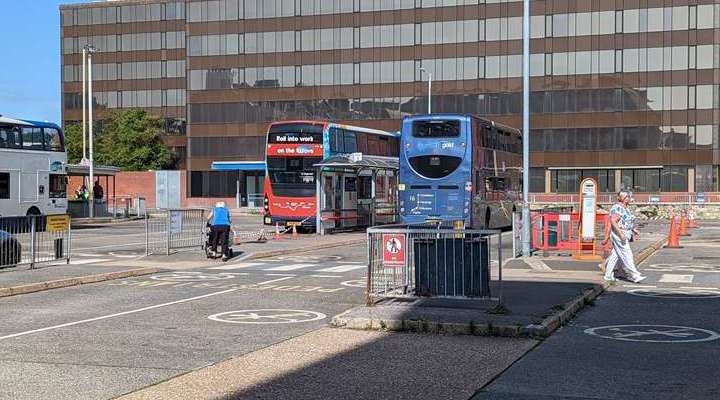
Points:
33	177
459	169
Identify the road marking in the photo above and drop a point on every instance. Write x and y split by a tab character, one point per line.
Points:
267	316
640	286
289	267
682	293
654	333
274	280
342	268
326	276
280	274
236	266
192	276
355	283
675	278
84	321
699	288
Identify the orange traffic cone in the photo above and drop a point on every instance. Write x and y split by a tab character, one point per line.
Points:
683	225
294	232
277	232
673	237
691	221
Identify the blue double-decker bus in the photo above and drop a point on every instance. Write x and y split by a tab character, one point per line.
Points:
459	169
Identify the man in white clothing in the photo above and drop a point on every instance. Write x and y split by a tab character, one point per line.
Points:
621	229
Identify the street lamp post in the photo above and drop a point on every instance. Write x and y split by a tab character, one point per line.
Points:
90	51
84	93
526	130
429	88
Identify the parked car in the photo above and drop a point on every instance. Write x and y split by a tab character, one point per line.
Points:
10	250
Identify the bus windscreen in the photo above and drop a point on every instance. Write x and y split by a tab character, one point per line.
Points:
292	176
295	133
436	128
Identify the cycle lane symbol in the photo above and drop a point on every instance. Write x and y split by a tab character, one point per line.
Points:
267	316
654	333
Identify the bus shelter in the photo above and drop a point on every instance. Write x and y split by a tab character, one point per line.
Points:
355	191
79	208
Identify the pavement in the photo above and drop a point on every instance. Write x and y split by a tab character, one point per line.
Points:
656	340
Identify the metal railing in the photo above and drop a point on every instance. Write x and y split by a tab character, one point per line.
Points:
174	229
411	261
639	198
34	239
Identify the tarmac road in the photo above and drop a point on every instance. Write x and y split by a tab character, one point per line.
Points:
658	340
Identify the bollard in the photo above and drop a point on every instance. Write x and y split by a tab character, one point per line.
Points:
277	231
673	236
683	225
58	248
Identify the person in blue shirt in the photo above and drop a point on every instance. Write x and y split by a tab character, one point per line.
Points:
622	227
219	220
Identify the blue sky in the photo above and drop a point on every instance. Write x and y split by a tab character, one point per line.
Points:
30	71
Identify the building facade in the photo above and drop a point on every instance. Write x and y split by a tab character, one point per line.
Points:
626	91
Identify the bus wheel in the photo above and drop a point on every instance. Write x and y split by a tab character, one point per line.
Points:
487	218
33	211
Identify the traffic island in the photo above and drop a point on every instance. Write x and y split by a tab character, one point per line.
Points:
533	309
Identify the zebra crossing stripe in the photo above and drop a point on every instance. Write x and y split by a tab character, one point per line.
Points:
676	278
236	266
342	268
289	267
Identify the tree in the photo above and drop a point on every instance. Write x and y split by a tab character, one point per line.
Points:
129	139
73	143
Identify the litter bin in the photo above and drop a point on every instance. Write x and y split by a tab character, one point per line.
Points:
452	267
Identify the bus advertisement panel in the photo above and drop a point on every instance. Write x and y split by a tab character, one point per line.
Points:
459	169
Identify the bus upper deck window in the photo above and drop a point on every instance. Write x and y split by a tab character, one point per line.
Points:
436	128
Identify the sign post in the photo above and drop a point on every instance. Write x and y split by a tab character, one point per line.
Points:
588	206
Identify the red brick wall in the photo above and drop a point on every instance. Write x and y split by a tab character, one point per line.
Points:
142	184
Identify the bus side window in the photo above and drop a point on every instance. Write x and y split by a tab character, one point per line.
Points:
350	141
4	185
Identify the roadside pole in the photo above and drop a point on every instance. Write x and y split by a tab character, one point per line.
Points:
526	129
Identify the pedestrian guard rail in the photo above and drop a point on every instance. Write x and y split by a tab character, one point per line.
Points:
34	239
699	198
428	260
174	229
561	231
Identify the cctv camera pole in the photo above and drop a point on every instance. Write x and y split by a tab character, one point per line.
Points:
526	130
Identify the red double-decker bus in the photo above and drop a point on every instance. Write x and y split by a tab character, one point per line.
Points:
294	147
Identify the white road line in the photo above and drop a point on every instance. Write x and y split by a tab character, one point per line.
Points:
676	278
342	268
274	280
699	288
640	286
280	275
84	321
289	267
326	276
236	266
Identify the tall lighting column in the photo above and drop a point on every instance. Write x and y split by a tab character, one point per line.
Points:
429	89
90	51
526	130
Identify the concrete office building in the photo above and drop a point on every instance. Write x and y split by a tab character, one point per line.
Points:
622	90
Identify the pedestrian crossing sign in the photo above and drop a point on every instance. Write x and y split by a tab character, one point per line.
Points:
393	249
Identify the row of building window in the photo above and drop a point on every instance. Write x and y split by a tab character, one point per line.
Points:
558	25
128	13
229	146
128	70
596	100
125	42
130	98
694	137
507	66
646	180
228	10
